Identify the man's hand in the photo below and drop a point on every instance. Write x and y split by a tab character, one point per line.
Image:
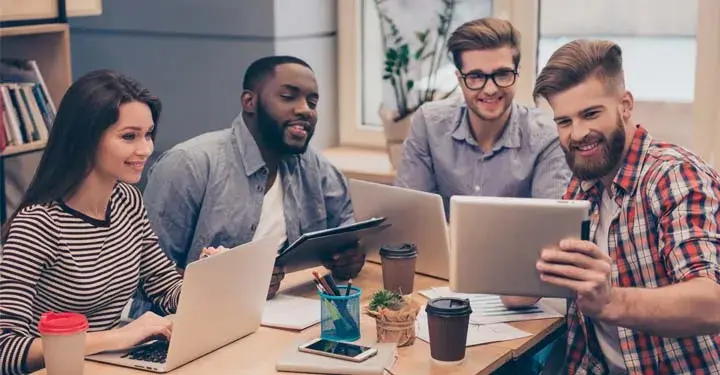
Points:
277	276
209	251
346	264
582	267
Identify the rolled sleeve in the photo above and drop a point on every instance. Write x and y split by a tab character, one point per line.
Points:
415	170
172	198
689	237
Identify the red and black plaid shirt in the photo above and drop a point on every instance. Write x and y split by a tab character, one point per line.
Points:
666	232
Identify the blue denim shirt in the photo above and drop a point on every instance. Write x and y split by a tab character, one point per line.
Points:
441	156
209	190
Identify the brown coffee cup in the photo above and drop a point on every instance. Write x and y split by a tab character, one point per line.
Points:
448	320
63	340
398	267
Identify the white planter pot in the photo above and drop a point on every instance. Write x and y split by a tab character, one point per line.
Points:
395	134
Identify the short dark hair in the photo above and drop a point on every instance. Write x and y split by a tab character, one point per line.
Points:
578	60
264	67
483	34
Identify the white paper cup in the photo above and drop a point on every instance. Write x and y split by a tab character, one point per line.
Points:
63	339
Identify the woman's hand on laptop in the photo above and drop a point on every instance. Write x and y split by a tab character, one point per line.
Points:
346	264
582	267
147	326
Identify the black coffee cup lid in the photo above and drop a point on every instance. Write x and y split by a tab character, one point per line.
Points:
398	250
449	306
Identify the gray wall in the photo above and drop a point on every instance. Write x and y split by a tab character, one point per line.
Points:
193	54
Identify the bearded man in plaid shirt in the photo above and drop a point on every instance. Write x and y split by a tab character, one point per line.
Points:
648	299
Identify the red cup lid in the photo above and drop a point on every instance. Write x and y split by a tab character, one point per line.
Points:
62	323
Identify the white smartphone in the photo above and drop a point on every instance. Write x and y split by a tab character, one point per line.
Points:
338	349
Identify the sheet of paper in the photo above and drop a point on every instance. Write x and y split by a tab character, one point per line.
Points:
291	312
488	309
477	334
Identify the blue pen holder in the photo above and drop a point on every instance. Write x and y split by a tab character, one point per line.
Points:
340	315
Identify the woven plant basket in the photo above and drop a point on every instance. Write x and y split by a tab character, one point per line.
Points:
396	326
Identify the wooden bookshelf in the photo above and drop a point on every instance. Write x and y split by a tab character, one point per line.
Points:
49	46
21	149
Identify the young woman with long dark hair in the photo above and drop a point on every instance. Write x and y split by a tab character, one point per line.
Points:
80	240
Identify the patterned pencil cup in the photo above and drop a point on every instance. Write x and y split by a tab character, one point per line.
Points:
340	315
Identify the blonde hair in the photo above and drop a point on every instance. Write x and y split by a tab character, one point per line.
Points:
483	34
577	61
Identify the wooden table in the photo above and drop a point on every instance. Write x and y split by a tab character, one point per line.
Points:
362	163
257	353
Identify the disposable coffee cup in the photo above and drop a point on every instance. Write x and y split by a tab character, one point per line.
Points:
448	320
63	340
398	267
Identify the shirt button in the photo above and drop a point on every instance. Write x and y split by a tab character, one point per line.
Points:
260	188
253	227
476	188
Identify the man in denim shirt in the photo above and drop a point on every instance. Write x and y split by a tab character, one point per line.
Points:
258	178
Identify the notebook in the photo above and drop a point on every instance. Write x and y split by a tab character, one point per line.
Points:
294	360
291	312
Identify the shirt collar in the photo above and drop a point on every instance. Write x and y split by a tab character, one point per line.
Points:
628	176
510	137
250	152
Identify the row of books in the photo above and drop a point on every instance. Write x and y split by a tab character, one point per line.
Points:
26	109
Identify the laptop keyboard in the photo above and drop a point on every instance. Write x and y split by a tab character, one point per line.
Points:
155	352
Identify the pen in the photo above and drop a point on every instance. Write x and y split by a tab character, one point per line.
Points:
319	286
326	286
348	287
331	283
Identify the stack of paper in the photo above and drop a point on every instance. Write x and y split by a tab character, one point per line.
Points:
477	334
488	308
290	312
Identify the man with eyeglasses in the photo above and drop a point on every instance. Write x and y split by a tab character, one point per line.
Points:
484	144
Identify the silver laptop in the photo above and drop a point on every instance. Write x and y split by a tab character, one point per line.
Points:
414	217
496	242
221	301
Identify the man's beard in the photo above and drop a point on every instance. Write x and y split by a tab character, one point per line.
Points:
273	133
610	153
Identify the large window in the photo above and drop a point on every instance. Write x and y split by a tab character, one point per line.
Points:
671	51
658	39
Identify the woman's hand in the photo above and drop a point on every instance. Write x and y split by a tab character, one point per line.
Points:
146	327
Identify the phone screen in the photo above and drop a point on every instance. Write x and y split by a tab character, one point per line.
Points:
338	348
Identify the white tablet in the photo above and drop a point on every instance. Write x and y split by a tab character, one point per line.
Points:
496	242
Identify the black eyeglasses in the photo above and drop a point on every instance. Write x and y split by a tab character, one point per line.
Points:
478	80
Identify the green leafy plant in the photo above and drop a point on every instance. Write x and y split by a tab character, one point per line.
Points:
387	299
401	59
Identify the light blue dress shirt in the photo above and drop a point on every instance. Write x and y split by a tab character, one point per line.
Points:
441	156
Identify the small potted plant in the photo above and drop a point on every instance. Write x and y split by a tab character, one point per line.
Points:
394	317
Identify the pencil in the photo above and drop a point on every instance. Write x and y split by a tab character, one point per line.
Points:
348	288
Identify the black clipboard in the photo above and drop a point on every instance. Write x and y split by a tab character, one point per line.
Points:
311	248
